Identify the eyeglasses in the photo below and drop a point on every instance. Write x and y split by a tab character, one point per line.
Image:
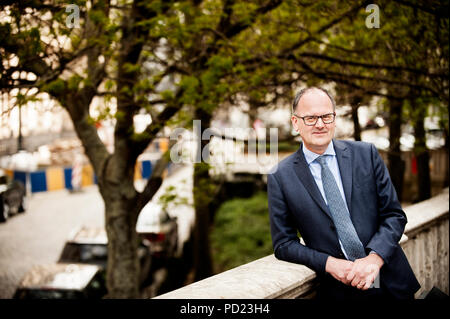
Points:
311	120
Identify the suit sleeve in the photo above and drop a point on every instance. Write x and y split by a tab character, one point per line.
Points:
285	241
391	216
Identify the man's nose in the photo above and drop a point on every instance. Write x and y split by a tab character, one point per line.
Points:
320	122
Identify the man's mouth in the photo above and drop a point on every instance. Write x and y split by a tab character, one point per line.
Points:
320	133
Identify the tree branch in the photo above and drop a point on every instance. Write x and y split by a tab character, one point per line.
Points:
369	65
326	26
441	10
155	179
158	122
325	75
232	30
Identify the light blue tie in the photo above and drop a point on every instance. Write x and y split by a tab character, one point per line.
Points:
341	217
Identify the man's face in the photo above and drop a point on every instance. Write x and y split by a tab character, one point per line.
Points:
317	137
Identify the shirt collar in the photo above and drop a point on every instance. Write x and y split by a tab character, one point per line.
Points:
311	156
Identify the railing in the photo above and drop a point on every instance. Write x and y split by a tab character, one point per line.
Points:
425	242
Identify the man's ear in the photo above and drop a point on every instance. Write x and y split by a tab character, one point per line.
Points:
294	122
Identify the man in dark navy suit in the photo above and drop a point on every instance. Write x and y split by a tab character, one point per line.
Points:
339	196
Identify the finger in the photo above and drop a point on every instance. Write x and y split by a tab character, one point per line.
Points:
361	284
344	279
351	275
369	281
356	281
366	286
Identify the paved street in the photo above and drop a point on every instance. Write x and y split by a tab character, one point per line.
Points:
37	236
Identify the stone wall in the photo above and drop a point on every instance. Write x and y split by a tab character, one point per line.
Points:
426	244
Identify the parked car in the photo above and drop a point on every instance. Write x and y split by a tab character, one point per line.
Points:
159	231
22	161
62	281
12	197
88	245
80	271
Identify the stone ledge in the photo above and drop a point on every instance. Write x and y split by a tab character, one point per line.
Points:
424	214
264	278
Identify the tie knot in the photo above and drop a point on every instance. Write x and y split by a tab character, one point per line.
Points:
322	160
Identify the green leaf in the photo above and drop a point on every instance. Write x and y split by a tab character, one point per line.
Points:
55	87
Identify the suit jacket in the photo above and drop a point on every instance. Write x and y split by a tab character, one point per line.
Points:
295	203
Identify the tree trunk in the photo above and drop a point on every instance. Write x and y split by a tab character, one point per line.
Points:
120	222
202	262
354	102
446	147
421	153
20	137
396	165
115	175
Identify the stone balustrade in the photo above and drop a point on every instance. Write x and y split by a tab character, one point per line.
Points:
425	242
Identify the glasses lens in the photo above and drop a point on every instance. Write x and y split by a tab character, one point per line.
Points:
310	120
328	118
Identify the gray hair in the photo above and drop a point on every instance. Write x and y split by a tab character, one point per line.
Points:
305	90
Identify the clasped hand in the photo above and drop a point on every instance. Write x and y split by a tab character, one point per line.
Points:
360	274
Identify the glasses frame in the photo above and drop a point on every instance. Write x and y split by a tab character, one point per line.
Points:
317	118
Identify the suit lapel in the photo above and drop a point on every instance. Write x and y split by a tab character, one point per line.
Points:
344	159
303	172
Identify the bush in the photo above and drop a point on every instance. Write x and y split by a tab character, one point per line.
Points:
241	232
286	147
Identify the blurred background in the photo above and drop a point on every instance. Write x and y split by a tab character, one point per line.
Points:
109	187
